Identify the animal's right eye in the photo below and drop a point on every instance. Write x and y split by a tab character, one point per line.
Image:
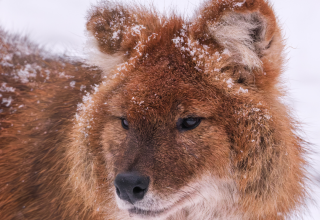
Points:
189	123
125	123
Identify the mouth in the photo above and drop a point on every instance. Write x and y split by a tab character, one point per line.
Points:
147	213
151	214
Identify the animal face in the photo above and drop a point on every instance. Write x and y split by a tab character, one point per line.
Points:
163	127
185	123
189	122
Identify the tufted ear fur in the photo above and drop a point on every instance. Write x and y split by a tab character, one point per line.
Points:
107	23
116	30
248	31
119	28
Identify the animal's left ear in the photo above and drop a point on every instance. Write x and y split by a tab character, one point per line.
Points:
248	31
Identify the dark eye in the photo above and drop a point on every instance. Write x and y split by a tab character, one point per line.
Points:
190	123
125	123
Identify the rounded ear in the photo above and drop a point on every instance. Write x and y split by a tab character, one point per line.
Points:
118	27
107	23
116	31
248	31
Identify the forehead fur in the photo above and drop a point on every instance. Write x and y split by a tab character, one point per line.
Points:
156	91
239	38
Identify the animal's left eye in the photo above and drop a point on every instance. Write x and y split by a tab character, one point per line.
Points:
190	123
125	123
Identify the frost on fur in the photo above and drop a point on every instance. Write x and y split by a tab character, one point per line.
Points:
191	105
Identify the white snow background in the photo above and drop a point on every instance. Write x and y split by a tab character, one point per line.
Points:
59	25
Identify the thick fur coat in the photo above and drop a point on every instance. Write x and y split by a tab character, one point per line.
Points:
68	127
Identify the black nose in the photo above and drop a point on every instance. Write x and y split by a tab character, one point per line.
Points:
131	186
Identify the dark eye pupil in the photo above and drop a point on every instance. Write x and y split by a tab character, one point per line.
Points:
190	123
125	123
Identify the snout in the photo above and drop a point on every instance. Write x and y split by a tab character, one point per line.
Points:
131	186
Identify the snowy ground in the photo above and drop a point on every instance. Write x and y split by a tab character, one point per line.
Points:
59	26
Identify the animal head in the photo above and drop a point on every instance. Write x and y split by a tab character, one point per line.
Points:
190	118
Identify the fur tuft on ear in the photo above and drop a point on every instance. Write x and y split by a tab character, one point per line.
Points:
118	27
118	31
114	30
249	32
243	35
107	23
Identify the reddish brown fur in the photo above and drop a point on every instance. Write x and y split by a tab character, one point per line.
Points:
57	166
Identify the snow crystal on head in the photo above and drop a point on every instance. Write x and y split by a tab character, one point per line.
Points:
251	112
82	87
241	90
115	35
194	49
7	60
72	84
83	117
239	4
124	67
136	30
7	101
177	41
63	75
4	88
230	83
29	71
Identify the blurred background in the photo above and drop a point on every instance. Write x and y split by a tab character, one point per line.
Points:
59	26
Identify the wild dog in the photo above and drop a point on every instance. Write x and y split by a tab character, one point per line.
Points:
173	119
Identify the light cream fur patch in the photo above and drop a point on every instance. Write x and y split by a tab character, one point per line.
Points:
107	62
235	32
